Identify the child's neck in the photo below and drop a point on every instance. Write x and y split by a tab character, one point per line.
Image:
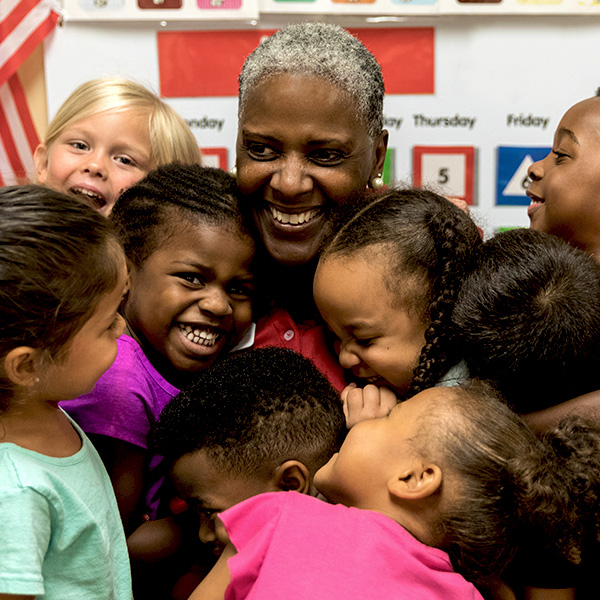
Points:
418	517
39	426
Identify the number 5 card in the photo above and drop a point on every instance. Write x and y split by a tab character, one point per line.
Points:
449	169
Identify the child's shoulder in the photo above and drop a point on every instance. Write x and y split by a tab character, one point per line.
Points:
132	371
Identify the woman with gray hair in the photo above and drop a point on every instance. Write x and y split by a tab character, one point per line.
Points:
310	136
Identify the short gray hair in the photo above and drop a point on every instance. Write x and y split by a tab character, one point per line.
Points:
323	50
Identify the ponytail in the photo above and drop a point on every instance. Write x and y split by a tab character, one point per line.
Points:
558	486
511	487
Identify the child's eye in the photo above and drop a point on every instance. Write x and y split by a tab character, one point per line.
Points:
327	157
241	289
79	145
207	512
260	151
191	278
125	160
364	342
559	155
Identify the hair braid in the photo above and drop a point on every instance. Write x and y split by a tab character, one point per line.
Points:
154	209
454	251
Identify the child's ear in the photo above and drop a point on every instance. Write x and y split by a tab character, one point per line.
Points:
40	158
130	273
416	482
21	366
292	476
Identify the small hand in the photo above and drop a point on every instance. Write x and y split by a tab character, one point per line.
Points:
462	204
370	402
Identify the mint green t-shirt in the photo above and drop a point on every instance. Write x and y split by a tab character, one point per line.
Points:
61	536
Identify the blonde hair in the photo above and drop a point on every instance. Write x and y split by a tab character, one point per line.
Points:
171	140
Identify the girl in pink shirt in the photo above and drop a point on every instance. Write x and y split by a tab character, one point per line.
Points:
450	479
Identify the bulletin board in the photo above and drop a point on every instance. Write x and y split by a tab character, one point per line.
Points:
473	99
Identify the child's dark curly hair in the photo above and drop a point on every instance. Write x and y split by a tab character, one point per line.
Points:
253	411
512	486
528	319
154	209
430	243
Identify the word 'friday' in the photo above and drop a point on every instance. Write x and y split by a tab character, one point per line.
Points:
529	120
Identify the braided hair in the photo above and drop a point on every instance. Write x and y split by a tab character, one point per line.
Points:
153	210
431	242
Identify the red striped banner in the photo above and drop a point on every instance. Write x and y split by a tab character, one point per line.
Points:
23	26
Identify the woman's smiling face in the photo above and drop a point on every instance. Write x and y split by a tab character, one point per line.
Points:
300	149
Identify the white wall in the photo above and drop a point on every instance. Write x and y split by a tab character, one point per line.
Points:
486	67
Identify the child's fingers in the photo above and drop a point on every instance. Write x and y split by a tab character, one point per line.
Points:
387	400
365	403
376	401
346	390
344	396
354	407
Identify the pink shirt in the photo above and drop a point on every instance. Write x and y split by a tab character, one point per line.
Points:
297	547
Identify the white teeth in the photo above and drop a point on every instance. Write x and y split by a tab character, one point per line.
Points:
87	193
203	337
293	218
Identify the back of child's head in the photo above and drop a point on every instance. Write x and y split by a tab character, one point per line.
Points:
429	242
58	258
509	486
528	319
171	139
170	197
253	411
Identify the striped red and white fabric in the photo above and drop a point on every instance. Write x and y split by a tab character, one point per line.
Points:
23	25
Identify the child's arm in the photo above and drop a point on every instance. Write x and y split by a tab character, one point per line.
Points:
370	402
213	586
533	593
587	405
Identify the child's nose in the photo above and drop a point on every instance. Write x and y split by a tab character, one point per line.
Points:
347	358
96	164
206	531
215	300
536	170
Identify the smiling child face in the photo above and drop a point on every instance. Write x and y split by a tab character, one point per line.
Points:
191	299
565	187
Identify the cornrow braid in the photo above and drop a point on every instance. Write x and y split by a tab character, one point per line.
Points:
430	242
152	210
454	247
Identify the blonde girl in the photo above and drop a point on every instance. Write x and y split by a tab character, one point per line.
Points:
107	135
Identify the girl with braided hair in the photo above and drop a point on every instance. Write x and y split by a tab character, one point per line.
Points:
189	302
386	284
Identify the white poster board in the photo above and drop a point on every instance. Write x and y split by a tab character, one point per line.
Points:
501	82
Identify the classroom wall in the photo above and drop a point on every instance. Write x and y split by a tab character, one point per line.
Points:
501	84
